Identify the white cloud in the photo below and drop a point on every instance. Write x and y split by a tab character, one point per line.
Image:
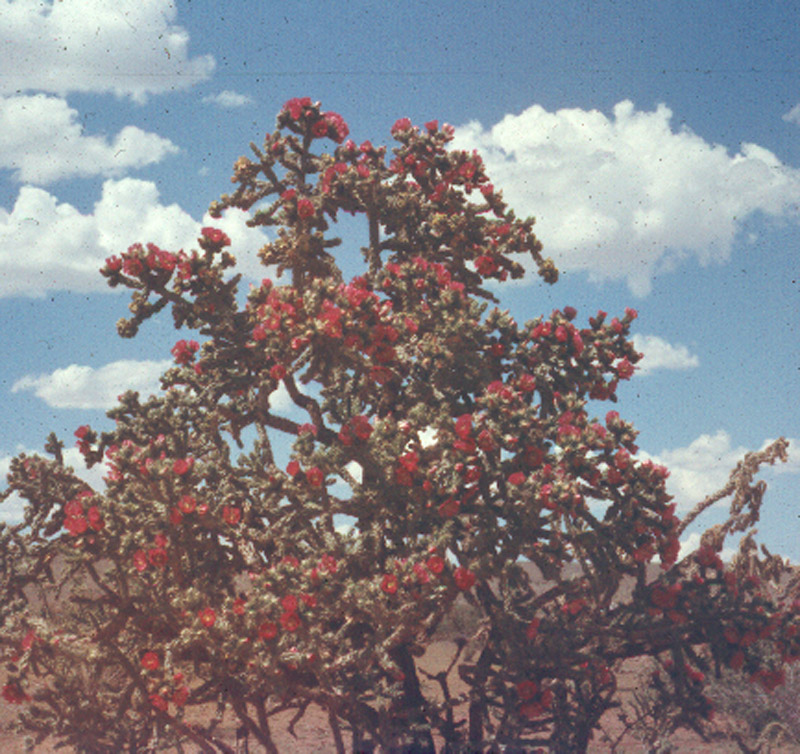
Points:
628	197
659	354
43	142
793	116
128	47
228	99
46	245
78	386
704	466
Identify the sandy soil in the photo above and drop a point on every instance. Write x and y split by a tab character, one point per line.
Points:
313	734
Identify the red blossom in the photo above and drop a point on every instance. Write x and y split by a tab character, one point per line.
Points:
464	578
290	622
187	504
231	514
183	351
157	557
389	583
517	478
296	105
215	236
463	427
207	616
150	661
268	630
400	125
315	477
305	208
527	689
159	702
95	518
76	525
182	466
435	564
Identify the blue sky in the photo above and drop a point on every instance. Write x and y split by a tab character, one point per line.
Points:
658	144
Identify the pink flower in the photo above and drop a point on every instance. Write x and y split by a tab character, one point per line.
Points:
140	560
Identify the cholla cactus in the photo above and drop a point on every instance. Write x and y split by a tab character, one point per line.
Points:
268	557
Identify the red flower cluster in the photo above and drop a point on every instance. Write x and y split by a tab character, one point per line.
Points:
75	522
328	124
215	236
356	429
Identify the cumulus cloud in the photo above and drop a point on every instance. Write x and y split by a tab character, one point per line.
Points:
704	466
659	354
85	387
628	196
129	48
44	142
228	99
47	245
78	386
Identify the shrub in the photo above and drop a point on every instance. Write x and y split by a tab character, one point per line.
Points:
456	444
